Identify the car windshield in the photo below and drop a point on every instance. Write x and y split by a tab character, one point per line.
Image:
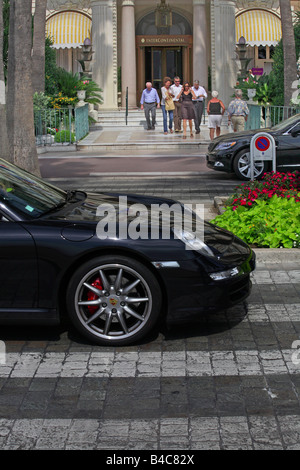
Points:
288	122
26	194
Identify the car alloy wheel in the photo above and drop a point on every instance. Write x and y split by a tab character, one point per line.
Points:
114	300
242	167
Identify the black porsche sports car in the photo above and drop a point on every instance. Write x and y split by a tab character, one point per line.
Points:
231	152
60	254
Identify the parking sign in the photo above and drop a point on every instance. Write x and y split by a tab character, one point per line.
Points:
262	148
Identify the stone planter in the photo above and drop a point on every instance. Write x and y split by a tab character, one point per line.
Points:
81	94
251	92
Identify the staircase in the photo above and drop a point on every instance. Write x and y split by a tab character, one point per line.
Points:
135	120
111	132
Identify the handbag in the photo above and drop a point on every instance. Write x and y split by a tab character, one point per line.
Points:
169	103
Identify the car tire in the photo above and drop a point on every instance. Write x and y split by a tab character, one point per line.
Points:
242	169
114	300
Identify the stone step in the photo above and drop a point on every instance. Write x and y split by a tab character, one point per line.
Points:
135	119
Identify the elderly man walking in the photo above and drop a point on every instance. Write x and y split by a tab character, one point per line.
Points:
198	103
149	100
238	112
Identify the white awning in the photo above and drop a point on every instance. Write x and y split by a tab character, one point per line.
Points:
68	29
259	28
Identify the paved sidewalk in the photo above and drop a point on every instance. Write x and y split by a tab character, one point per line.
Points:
230	382
133	137
116	138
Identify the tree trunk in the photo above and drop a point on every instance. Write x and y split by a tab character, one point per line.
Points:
38	56
289	50
5	151
20	94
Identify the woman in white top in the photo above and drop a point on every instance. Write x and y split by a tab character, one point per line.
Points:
165	96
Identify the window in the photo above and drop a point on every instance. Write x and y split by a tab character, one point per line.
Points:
262	52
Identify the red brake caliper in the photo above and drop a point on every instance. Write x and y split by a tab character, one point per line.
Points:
91	296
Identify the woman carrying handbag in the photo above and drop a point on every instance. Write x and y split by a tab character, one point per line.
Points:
167	105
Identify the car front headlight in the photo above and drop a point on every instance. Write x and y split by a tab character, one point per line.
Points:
221	275
225	145
192	242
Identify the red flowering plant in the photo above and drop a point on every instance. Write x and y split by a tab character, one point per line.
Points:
284	185
265	213
82	85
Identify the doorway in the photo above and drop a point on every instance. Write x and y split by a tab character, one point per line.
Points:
162	62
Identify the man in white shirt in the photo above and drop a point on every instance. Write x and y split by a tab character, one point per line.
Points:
175	90
198	104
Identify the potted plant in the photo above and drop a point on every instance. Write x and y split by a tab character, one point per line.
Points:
81	88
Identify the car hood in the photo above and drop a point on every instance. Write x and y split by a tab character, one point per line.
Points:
92	209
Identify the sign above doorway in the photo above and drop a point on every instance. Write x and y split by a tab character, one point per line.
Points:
164	40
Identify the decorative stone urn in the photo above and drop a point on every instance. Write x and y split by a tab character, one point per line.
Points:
251	93
81	94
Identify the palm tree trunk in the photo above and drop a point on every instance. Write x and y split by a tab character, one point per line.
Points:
20	94
289	49
5	151
38	56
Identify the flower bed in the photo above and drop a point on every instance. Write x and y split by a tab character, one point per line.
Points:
265	213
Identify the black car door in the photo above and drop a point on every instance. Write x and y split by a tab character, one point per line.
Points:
18	267
288	150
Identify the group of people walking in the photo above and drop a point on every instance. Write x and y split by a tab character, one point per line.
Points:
184	104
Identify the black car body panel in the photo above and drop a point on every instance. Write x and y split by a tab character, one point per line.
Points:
51	256
40	254
287	146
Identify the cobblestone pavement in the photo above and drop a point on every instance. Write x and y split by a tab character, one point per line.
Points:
231	381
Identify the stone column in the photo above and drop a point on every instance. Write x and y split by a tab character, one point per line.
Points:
128	54
200	42
223	48
104	40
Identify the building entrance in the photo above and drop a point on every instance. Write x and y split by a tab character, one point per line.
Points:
163	51
163	56
162	62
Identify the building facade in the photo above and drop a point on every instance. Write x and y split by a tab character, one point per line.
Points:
135	41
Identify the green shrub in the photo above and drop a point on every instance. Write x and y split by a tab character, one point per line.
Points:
51	69
64	136
274	223
67	82
40	101
265	213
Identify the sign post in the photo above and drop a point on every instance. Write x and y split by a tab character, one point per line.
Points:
262	148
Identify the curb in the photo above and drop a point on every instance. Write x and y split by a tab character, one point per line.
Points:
282	256
116	146
219	203
56	148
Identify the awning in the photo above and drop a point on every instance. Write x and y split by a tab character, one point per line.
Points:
68	29
259	28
